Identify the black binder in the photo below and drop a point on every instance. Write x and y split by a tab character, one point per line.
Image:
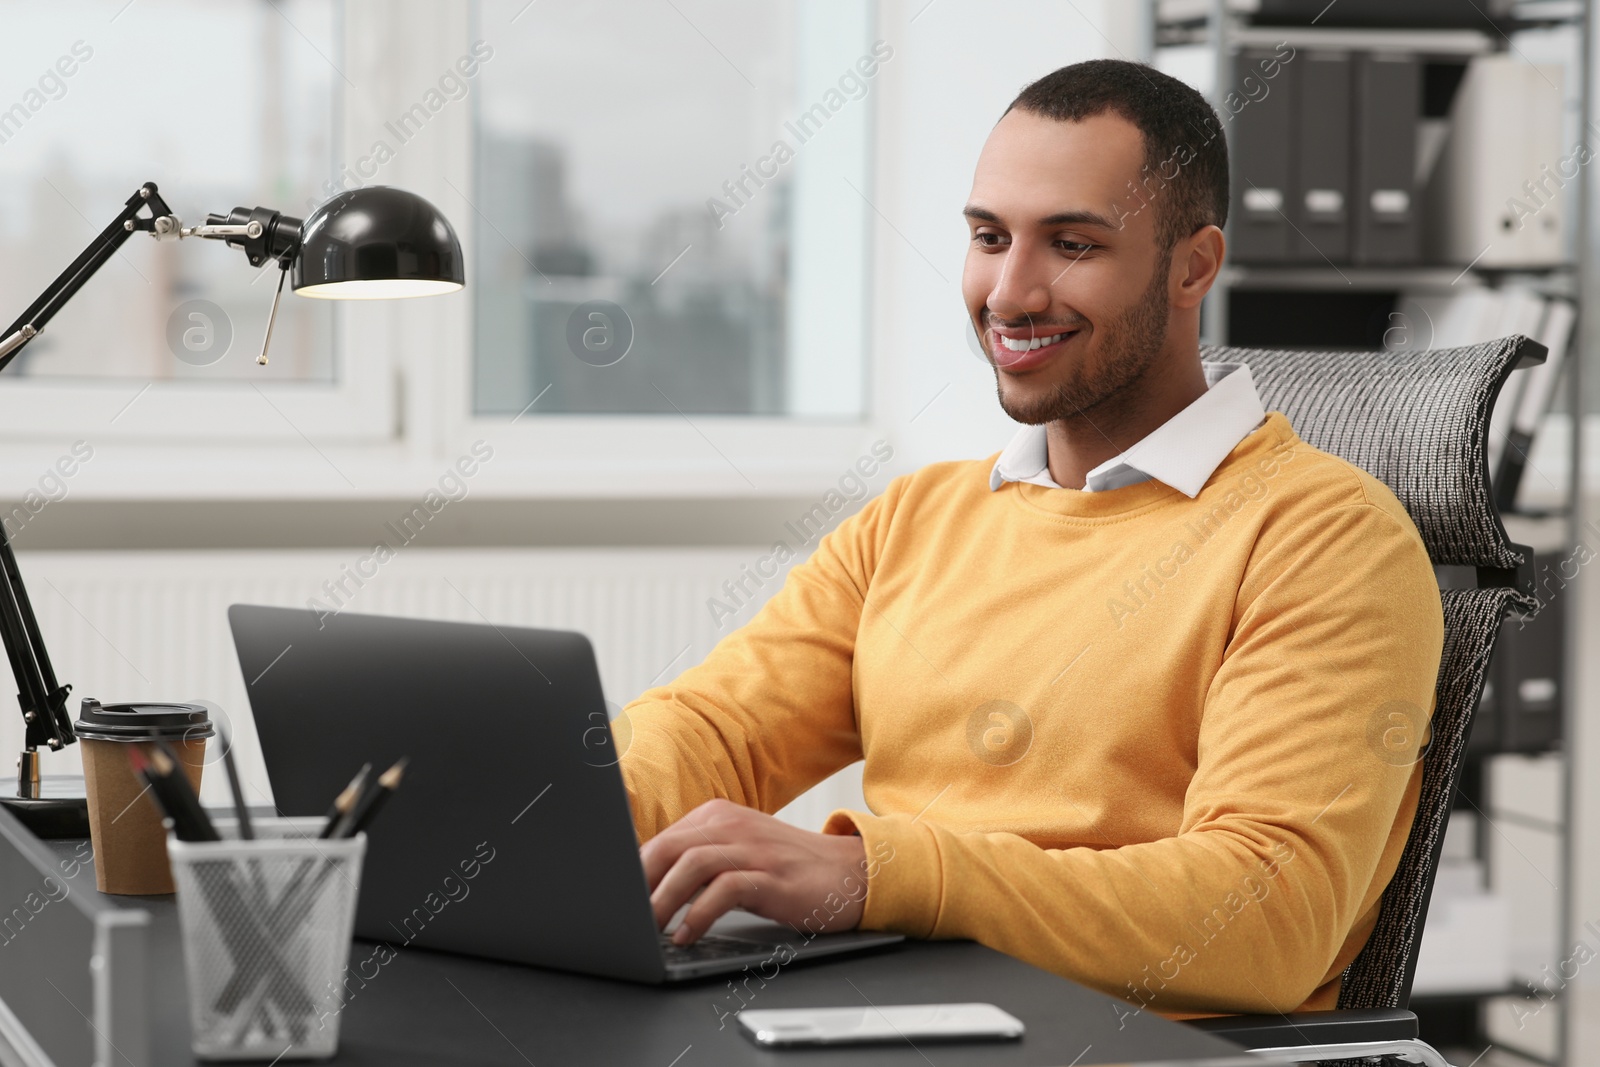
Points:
1388	14
1521	709
1388	97
1530	675
1261	158
1321	179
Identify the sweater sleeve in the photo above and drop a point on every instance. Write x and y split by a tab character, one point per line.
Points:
1306	784
771	711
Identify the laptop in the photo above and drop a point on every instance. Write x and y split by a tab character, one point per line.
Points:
510	837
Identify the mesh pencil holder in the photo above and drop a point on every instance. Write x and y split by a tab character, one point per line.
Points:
266	937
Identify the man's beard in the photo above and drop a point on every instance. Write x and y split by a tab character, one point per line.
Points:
1129	345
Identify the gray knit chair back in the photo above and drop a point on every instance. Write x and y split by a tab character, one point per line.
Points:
1419	422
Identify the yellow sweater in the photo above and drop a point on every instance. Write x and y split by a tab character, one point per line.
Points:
1164	747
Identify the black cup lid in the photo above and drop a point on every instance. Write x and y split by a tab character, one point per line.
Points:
139	721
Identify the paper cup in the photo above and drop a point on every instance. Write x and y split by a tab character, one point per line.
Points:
125	831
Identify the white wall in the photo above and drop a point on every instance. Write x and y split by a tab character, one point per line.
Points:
957	64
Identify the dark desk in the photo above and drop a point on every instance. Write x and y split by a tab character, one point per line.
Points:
434	1008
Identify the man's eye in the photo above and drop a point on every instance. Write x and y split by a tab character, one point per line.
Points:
1077	248
988	240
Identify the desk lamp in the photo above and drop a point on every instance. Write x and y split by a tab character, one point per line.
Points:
370	243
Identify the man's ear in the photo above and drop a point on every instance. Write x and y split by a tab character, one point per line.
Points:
1196	262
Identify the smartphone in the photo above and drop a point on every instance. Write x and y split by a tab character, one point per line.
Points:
890	1022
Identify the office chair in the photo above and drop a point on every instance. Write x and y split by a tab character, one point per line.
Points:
1418	422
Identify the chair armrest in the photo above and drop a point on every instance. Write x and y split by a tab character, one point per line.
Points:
1312	1027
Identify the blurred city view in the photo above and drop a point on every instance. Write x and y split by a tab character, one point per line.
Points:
701	319
604	129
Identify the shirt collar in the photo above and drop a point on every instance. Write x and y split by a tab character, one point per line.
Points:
1182	452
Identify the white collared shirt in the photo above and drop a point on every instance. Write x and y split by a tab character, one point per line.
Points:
1182	452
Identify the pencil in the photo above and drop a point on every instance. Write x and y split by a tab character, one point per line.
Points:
371	800
247	832
165	763
172	794
345	800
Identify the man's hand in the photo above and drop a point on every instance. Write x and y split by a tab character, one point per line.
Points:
747	859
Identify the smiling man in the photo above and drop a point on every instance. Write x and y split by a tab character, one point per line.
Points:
1116	687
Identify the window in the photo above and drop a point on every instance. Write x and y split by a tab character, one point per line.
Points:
586	151
670	209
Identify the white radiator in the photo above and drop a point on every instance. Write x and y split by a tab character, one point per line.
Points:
153	625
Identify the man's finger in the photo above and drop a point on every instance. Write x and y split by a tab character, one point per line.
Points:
728	890
661	852
658	854
695	867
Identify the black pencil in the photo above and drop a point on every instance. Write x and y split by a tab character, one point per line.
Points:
165	762
345	801
247	832
372	799
173	795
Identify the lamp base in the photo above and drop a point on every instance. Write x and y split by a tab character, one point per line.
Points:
60	811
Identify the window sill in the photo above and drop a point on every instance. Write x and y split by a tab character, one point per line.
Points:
76	525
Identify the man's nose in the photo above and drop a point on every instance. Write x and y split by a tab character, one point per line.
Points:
1023	287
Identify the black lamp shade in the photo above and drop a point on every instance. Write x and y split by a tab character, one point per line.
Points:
377	243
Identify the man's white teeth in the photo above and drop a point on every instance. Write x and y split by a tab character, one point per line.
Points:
1024	344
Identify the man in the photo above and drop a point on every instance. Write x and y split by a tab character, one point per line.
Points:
1117	687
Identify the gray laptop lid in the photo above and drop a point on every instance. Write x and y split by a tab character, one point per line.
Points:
510	836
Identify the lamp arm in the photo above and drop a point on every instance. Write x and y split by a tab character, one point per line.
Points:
43	699
32	321
261	234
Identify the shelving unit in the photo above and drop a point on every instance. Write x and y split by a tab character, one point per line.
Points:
1208	34
1319	279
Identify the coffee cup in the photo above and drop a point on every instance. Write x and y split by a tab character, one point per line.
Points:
125	831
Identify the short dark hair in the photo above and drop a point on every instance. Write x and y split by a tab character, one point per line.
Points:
1186	155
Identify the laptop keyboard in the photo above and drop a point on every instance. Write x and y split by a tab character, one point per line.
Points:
713	947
